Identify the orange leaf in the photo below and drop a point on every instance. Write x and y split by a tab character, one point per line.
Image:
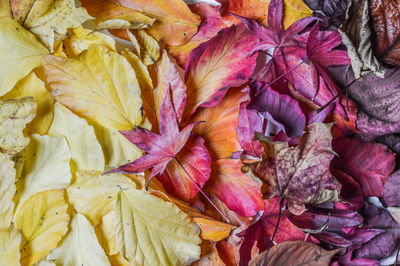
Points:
175	24
218	64
221	121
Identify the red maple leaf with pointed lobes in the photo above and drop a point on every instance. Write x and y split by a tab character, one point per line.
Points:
160	149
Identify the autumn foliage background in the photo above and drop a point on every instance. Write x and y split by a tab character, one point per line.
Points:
138	132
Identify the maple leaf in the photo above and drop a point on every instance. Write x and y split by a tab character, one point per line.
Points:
261	231
161	149
296	173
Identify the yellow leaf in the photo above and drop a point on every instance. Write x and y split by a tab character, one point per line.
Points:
86	150
99	85
10	241
14	115
52	23
46	166
94	194
106	234
293	11
80	246
117	149
141	71
32	86
80	39
210	228
151	231
7	191
148	48
175	24
43	221
20	52
127	21
118	260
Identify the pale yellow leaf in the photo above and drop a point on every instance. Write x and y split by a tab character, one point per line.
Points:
117	149
141	71
123	22
80	246
10	241
43	221
53	23
94	194
32	86
14	115
151	231
86	150
7	191
149	48
99	85
79	39
20	52
106	234
44	262
395	212
46	166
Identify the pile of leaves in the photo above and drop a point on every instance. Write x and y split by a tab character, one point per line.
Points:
138	132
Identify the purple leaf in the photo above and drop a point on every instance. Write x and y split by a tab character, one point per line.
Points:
391	194
280	108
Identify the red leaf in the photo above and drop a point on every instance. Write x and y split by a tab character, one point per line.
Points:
236	189
218	64
263	229
160	149
196	161
369	163
249	122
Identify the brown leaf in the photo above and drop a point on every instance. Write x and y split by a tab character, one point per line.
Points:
297	173
386	22
294	253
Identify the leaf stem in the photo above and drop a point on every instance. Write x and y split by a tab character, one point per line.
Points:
277	225
201	191
281	76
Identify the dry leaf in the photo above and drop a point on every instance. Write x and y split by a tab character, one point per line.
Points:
144	225
32	86
80	246
43	221
86	150
94	194
7	191
20	52
14	115
46	166
10	241
99	85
